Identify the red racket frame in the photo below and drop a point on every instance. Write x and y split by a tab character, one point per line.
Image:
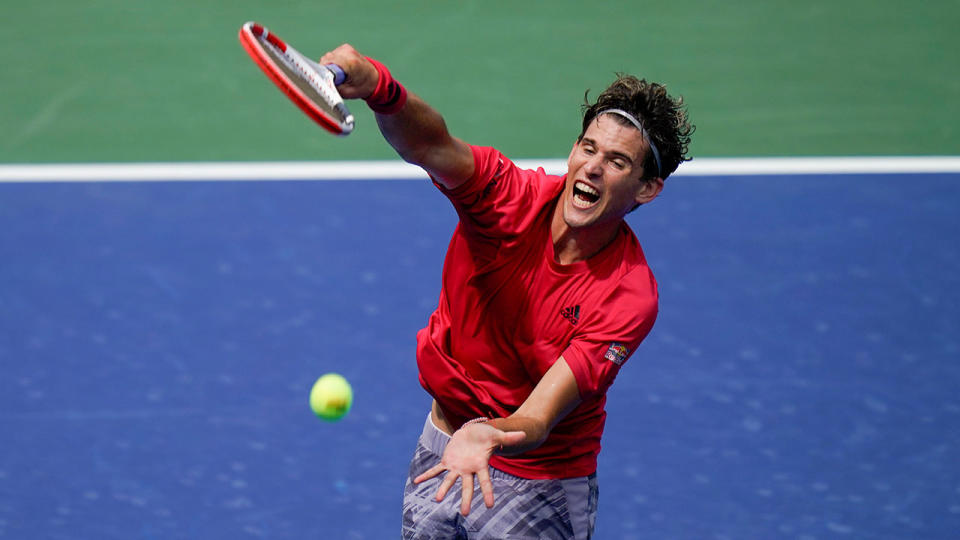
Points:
249	34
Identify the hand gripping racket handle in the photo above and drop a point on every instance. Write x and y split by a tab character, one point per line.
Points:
338	75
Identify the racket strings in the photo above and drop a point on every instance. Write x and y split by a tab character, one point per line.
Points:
308	84
309	78
323	81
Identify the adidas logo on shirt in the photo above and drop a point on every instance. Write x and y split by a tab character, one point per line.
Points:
571	314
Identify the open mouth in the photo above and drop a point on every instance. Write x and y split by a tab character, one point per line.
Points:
584	196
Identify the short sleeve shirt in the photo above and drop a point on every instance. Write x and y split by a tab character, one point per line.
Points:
508	310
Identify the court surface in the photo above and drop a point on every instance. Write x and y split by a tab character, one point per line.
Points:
158	342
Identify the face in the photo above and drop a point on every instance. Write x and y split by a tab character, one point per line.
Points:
603	175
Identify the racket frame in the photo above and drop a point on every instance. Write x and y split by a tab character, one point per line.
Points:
320	78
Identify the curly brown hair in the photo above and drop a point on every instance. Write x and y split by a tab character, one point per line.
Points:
663	117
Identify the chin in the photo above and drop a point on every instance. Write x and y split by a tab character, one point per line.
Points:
577	217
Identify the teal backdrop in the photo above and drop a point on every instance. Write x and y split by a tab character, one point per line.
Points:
136	80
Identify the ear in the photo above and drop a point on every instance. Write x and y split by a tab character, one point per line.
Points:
648	190
573	151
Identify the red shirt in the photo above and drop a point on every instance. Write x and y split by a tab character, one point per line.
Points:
508	311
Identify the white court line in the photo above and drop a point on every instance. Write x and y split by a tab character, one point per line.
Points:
377	170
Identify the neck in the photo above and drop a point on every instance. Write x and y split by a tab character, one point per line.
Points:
572	245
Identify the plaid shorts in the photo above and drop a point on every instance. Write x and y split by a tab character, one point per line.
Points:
529	509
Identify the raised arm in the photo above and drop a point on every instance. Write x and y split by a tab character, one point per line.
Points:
416	131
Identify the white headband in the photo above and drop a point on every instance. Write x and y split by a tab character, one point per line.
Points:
633	120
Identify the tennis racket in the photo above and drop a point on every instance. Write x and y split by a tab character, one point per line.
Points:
310	86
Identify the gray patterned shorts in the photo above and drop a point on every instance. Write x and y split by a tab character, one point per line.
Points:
529	509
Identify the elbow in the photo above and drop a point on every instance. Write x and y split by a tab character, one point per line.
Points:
419	156
420	143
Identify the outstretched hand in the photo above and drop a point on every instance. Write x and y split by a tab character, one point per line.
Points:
468	454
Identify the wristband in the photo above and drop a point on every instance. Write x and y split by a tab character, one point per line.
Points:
389	96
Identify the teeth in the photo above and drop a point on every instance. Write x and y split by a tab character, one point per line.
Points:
585	188
581	203
584	196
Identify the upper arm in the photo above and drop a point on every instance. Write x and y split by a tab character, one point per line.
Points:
451	165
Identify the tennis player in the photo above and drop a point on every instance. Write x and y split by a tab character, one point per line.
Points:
545	294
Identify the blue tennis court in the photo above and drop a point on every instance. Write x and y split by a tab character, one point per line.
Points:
158	342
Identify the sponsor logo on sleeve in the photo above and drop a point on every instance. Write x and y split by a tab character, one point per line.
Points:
617	353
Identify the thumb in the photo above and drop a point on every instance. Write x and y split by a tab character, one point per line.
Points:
512	437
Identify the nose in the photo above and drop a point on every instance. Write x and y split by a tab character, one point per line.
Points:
594	166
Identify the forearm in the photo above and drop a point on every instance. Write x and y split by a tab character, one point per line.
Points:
412	127
535	432
554	397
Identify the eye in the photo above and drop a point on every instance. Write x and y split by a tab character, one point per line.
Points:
619	164
588	150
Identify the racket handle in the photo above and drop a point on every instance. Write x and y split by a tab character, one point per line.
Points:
338	75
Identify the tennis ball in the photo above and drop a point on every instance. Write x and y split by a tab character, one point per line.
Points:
331	397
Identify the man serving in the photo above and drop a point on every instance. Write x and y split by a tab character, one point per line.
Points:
545	294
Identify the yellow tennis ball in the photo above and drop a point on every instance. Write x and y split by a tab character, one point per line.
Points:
331	397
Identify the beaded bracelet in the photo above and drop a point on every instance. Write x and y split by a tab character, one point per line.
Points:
480	420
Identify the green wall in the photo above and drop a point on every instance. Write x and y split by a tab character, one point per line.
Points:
137	80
